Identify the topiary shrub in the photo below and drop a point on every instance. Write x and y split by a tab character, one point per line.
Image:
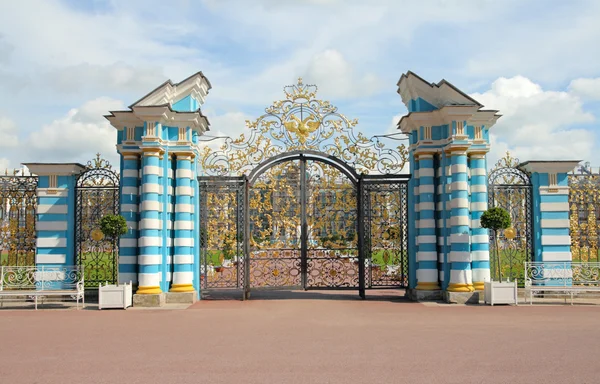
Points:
496	219
113	226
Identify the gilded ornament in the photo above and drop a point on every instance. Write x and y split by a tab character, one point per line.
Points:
510	233
97	235
303	128
302	122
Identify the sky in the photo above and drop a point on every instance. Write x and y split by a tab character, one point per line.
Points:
66	63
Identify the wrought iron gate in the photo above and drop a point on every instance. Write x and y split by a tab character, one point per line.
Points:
222	208
303	201
584	206
510	188
18	201
97	194
385	202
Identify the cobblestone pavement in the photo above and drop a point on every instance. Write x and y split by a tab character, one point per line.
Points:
303	338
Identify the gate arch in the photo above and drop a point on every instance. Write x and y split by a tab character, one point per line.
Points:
97	194
303	201
510	187
306	155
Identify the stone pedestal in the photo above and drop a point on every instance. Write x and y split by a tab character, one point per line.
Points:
149	300
424	295
462	297
181	297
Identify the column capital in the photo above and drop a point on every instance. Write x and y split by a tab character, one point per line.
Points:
184	155
477	154
423	155
564	166
130	155
153	151
59	169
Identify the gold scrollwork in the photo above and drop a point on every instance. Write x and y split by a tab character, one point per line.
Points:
584	197
302	122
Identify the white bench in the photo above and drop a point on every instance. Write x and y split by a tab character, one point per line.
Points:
41	282
561	278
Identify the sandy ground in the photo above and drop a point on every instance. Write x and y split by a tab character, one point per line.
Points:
302	338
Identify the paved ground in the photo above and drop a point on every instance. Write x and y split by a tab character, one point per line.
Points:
310	339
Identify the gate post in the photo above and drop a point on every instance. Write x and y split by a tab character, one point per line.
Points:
550	211
183	258
55	212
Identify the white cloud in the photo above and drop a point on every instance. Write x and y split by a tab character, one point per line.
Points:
8	133
586	88
337	78
537	124
114	77
552	46
77	136
229	124
393	127
4	165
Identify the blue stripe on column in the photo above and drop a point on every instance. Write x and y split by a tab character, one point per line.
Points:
427	195
412	231
459	159
478	165
446	180
554	198
154	269
184	162
129	162
196	221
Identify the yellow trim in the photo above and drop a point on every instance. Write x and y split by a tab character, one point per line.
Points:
454	287
182	288
424	286
148	290
478	285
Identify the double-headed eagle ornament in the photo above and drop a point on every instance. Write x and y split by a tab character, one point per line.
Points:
302	128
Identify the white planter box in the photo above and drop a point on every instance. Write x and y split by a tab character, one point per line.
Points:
496	292
113	296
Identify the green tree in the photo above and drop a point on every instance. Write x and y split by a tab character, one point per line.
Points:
496	219
113	227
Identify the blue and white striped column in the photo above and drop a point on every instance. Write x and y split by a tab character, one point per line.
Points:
427	272
551	225
128	244
151	237
460	255
168	267
53	228
55	213
439	215
480	243
446	187
183	258
413	215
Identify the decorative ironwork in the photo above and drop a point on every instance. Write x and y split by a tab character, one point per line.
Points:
18	201
294	186
275	218
386	233
40	278
97	191
510	188
332	232
584	205
302	123
550	274
222	232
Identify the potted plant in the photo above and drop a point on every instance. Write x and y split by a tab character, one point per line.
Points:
114	295
499	292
